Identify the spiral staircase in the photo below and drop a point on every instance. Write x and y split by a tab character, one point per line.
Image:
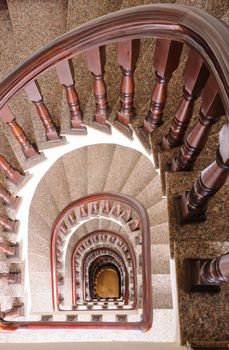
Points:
59	147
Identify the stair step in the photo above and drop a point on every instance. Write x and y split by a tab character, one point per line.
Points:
160	234
162	294
158	212
160	259
123	162
151	194
138	179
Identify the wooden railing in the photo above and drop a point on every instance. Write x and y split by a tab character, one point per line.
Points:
173	26
107	198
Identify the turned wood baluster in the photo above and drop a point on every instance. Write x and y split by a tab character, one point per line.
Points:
7	198
9	249
65	75
128	54
211	111
195	77
191	206
96	60
166	60
11	277
8	225
12	174
34	95
16	311
7	116
207	275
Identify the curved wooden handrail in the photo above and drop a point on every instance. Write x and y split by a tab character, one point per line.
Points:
191	25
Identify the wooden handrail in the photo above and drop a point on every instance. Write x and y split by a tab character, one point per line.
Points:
146	269
182	23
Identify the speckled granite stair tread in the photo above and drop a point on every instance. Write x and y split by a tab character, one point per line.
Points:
161	291
138	179
203	317
75	164
38	227
42	200
37	25
152	193
218	207
158	212
160	259
58	184
7	151
160	234
99	158
121	166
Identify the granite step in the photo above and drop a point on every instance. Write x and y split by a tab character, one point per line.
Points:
162	293
160	259
152	193
123	162
37	25
141	175
158	212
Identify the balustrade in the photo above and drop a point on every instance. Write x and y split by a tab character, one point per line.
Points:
16	311
96	60
166	60
191	206
8	225
11	173
27	148
34	95
65	75
8	199
128	53
11	250
11	277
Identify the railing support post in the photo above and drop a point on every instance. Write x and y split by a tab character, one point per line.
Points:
191	206
12	174
207	275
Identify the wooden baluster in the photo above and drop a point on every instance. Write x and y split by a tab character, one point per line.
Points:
191	206
34	95
83	211
107	207
16	311
166	60
10	250
7	116
65	74
11	277
195	78
128	53
96	59
7	198
211	111
95	208
12	174
8	225
207	275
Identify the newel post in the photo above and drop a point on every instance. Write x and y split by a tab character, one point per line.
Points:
191	206
207	275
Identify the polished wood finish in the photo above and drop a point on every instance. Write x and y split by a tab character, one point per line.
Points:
11	250
65	74
195	77
146	321
128	54
96	60
11	173
11	277
166	60
207	275
211	111
27	148
34	95
8	199
16	311
191	206
8	225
